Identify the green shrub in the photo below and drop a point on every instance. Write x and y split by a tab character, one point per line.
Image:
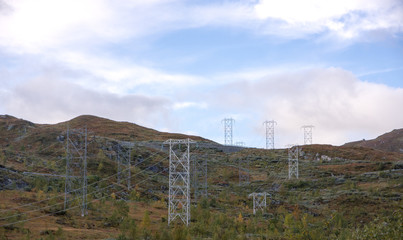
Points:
297	184
390	227
119	214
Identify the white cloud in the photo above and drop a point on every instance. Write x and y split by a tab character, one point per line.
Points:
310	11
183	105
48	25
75	35
259	74
38	26
122	77
42	25
49	100
345	18
35	26
379	71
341	106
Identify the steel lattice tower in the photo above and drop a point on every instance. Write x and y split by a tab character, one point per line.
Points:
228	123
270	133
76	168
240	144
293	152
200	185
179	180
123	158
307	134
259	201
119	163
121	152
243	169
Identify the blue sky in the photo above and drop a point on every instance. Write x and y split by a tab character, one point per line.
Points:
183	66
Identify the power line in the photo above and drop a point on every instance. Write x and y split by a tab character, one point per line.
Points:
243	170
78	197
103	179
76	166
277	177
4	210
123	158
199	171
46	174
70	208
25	176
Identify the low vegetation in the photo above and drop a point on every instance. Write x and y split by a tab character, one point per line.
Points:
342	192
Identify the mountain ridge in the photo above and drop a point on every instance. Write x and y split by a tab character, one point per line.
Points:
120	130
389	142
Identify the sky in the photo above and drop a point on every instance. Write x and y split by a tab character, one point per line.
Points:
184	65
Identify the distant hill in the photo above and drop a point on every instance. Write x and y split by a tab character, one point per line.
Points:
14	129
389	142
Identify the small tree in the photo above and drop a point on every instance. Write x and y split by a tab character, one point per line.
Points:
129	229
135	194
119	214
146	223
180	233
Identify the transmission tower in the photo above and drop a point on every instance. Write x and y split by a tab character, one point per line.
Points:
243	169
179	180
119	163
270	133
76	168
200	177
120	151
228	122
123	157
240	144
293	152
259	201
307	134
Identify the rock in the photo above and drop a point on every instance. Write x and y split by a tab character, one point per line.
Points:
398	166
47	232
325	158
339	181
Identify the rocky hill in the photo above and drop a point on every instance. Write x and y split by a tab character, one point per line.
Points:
14	129
340	191
389	142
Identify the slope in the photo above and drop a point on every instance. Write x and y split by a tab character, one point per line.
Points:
389	142
339	188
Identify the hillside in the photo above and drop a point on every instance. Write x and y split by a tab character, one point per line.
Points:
389	142
341	193
19	129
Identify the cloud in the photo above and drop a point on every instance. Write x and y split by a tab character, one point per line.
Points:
340	106
45	32
35	27
387	70
123	77
44	24
346	19
310	11
47	25
183	105
50	100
